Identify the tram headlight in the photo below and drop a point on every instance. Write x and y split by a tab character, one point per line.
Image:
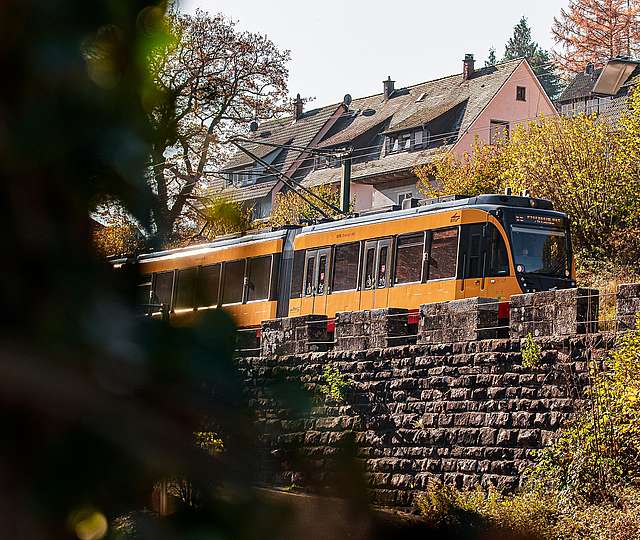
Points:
519	268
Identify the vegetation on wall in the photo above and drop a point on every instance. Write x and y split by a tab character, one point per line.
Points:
585	484
336	384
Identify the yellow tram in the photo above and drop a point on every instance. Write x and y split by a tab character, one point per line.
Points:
445	249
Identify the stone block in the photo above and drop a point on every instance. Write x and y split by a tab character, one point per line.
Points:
465	320
374	329
627	305
294	335
563	312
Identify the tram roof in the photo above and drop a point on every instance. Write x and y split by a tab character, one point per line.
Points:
485	202
231	240
441	204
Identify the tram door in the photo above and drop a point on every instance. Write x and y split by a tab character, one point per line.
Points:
316	281
473	260
375	278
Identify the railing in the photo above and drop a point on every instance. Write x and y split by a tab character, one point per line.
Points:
562	313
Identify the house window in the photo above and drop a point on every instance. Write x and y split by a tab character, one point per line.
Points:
418	138
521	93
498	132
245	177
399	143
323	162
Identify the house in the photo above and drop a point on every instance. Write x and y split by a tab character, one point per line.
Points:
602	91
388	134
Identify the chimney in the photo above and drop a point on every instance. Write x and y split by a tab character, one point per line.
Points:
388	87
298	106
589	68
467	67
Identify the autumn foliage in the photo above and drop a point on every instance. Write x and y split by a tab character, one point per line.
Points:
595	31
587	167
290	209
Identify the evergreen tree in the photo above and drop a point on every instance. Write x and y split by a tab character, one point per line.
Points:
521	45
492	60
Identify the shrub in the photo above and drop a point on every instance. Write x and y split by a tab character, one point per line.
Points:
598	452
531	353
526	515
473	174
336	383
290	209
223	216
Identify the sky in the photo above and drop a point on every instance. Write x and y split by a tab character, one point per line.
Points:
339	47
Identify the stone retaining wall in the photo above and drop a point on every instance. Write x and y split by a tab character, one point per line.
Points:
465	412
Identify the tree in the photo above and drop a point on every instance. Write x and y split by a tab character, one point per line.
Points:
588	168
290	209
579	164
595	31
472	174
216	79
491	60
225	216
521	45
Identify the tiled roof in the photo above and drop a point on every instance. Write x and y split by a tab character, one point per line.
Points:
580	87
407	108
404	111
284	131
391	163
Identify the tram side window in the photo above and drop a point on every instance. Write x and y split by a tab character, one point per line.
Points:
208	285
369	272
444	251
322	273
233	282
409	258
297	274
498	261
185	288
162	289
345	267
308	278
383	267
259	273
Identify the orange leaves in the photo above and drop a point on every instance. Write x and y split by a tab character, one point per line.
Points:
595	31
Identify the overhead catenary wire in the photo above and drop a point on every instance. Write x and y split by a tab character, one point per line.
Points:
376	149
290	183
344	115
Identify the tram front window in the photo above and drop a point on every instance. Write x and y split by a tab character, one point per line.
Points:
539	251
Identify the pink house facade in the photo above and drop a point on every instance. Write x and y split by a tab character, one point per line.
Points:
506	107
